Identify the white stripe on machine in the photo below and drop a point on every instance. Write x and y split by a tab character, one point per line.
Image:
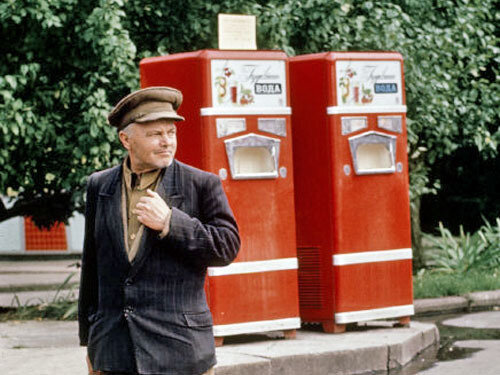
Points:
258	326
238	268
372	256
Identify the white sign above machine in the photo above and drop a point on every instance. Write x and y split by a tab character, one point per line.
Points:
369	83
248	83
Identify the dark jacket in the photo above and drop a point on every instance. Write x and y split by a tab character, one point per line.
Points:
151	315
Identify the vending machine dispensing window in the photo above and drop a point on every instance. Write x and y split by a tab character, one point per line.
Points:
253	156
373	152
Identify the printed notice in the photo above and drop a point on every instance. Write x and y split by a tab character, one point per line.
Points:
254	83
237	32
369	83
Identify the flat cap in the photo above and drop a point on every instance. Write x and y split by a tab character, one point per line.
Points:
149	104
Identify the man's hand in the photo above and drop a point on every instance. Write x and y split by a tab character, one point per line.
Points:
152	211
89	365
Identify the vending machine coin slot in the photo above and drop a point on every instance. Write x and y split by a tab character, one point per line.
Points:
229	126
390	123
353	124
275	126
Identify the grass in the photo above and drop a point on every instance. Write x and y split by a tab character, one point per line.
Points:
432	284
45	311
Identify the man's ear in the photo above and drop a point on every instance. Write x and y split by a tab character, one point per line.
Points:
124	139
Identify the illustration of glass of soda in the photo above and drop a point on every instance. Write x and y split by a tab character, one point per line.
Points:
356	92
234	92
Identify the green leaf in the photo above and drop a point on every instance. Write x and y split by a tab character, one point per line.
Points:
15	129
11	80
19	119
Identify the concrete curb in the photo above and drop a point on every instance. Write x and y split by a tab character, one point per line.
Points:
484	299
428	306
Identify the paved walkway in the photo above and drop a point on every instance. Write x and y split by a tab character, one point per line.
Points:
50	347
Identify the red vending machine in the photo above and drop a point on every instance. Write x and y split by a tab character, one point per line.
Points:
351	188
238	127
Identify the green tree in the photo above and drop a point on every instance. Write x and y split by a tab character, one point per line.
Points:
450	48
65	62
61	65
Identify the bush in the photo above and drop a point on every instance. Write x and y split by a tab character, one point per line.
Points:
480	251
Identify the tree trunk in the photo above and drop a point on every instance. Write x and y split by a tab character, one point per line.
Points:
45	211
416	234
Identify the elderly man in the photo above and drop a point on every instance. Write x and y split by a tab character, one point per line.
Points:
153	226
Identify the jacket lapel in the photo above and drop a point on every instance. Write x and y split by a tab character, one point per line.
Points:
170	187
111	198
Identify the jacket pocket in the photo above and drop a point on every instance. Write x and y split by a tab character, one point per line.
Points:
198	320
94	316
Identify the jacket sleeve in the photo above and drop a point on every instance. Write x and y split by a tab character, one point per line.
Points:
87	299
213	238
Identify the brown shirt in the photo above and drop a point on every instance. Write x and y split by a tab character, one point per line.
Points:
135	188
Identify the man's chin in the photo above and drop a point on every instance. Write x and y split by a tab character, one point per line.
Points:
159	163
165	163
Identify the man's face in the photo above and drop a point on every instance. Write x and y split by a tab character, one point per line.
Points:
150	145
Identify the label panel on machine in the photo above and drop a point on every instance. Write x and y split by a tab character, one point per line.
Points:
368	83
248	83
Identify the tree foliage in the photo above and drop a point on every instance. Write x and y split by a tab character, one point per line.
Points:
63	63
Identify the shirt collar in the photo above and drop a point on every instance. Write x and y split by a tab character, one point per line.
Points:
143	180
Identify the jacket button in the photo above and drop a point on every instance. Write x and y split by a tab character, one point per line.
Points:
127	310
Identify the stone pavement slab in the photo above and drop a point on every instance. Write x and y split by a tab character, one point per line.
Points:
23	280
43	361
486	319
37	266
51	347
483	362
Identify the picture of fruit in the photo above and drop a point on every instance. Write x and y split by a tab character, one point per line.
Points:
246	97
367	96
344	86
221	83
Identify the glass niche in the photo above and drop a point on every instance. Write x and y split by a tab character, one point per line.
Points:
373	153
253	156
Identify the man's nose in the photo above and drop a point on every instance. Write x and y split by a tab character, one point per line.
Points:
166	139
